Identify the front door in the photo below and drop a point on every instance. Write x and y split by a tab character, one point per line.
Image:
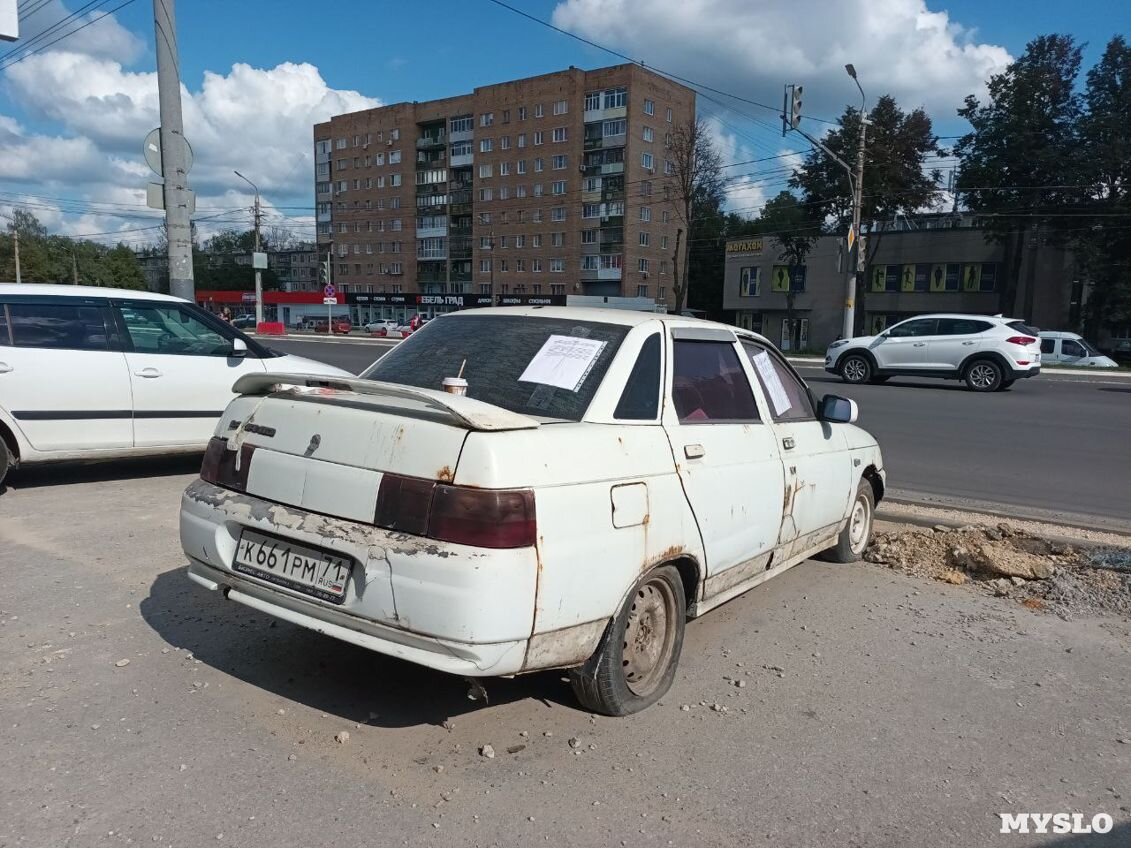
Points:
182	370
905	344
818	469
63	375
726	454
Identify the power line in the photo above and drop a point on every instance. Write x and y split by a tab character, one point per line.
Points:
55	27
4	66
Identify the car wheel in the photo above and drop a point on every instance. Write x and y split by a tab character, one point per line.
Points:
857	533
855	368
636	661
984	375
7	462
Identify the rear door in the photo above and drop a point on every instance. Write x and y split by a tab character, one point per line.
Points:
818	468
181	369
905	344
63	375
726	454
956	339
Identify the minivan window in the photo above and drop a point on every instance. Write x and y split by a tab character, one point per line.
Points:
494	351
641	398
59	326
709	385
1070	348
1047	345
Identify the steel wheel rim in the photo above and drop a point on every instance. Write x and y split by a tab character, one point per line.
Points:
858	524
982	376
854	369
649	636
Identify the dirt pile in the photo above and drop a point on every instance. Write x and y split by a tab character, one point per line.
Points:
1008	562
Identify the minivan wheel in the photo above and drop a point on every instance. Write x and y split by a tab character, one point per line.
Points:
635	663
855	368
857	533
985	375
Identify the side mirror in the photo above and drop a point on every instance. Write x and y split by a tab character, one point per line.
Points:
239	347
838	410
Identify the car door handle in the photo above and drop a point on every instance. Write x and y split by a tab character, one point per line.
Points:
968	343
693	451
787	443
148	373
5	368
919	344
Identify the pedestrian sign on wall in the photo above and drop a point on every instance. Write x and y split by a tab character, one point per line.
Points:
879	274
907	280
938	278
972	277
779	282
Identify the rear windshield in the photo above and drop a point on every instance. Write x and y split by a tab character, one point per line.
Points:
1022	327
560	362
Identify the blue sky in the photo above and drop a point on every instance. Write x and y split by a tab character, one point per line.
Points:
78	107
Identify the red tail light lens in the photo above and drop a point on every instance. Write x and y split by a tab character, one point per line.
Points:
219	465
1024	341
485	518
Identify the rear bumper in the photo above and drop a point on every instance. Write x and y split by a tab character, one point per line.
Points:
450	607
1022	374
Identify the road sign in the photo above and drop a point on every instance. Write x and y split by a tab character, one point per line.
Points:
329	301
259	260
330	291
151	148
155	197
851	237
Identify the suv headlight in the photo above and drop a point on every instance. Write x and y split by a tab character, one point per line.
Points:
838	343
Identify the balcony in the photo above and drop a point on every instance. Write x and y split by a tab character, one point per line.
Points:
428	158
462	160
431	272
429	140
459	248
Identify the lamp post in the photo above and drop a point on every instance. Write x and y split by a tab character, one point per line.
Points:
258	272
857	198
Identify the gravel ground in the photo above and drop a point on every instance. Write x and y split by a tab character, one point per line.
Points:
835	705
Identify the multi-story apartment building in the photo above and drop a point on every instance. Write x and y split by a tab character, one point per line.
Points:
296	267
540	188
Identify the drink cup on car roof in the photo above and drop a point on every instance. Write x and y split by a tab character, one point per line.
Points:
455	385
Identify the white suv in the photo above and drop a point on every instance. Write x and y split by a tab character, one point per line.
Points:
987	352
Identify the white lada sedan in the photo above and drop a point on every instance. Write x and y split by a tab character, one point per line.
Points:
518	489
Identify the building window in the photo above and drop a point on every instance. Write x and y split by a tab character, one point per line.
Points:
749	281
520	265
669	168
484	217
537	191
486	194
591	210
341	143
538	110
521	140
559	134
394	157
504	192
520	241
611	128
484	242
394	135
379	159
642	291
663	242
536	239
506	116
484	266
646	189
487	119
558	187
557	239
590	262
560	107
486	145
537	137
539	165
486	170
536	266
505	143
648	134
649	109
645	213
394	181
502	265
557	266
663	270
643	239
592	100
536	218
560	162
646	160
616	98
504	169
461	125
592	184
668	115
521	166
558	213
589	236
520	191
522	113
610	261
557	289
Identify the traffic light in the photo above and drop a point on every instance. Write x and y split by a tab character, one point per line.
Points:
795	107
324	273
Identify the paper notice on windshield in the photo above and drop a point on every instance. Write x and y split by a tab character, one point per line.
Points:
563	362
770	379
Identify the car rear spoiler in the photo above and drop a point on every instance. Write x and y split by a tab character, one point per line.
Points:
467	412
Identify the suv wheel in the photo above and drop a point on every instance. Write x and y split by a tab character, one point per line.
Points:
855	368
984	375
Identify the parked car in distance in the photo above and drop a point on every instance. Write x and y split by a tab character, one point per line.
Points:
244	322
342	326
1063	348
988	353
98	373
383	327
606	475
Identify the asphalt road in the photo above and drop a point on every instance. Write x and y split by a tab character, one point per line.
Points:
877	710
1056	447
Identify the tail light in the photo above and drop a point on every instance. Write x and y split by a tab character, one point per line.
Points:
1024	341
219	466
485	518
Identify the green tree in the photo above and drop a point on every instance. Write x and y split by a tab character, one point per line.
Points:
706	252
1103	243
48	258
795	228
1018	161
897	179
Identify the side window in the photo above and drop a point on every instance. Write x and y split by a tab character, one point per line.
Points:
922	327
788	398
961	327
1047	345
641	398
5	327
58	326
171	329
1071	348
708	384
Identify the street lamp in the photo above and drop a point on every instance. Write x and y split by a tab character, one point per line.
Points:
258	272
857	198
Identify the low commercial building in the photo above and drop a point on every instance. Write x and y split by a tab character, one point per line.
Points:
945	264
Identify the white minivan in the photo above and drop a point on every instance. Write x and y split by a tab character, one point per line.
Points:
98	373
1062	348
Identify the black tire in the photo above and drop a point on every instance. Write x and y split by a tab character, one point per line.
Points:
857	533
983	375
878	380
1005	384
620	679
7	461
855	368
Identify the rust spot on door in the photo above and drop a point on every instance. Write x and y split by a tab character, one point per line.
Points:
445	474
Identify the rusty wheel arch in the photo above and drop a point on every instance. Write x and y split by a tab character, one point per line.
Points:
689	574
872	475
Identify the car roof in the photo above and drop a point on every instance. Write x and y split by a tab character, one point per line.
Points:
624	317
998	318
1059	334
67	290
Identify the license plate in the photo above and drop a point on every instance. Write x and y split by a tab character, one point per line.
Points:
284	563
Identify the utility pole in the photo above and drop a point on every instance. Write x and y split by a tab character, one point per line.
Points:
74	270
850	286
492	261
174	152
16	242
258	272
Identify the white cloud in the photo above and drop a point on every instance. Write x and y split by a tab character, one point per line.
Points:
899	47
255	120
